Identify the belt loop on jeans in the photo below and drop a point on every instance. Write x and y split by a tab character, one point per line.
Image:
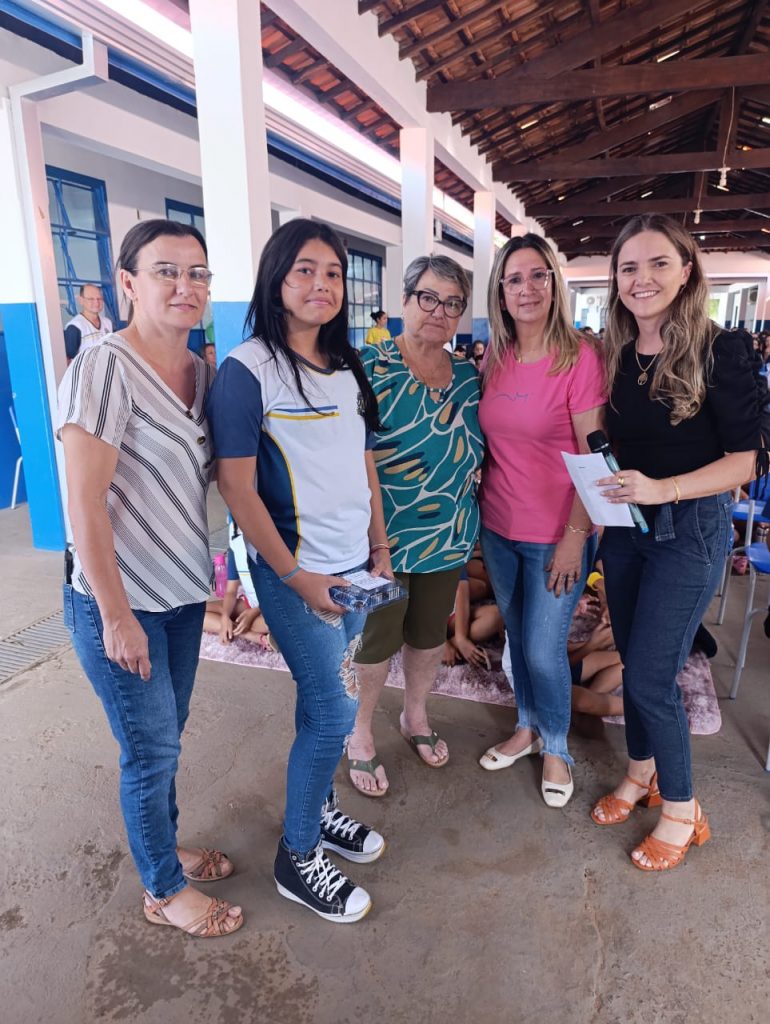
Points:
664	523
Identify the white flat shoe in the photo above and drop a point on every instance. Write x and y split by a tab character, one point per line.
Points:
557	794
493	760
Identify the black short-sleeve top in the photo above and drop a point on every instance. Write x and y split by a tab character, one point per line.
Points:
640	429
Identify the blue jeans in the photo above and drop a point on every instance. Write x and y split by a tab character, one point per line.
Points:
537	624
659	586
147	720
319	654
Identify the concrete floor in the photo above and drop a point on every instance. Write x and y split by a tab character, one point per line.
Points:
487	905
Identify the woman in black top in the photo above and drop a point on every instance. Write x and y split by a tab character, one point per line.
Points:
684	423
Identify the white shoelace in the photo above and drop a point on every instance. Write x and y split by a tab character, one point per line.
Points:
340	824
321	875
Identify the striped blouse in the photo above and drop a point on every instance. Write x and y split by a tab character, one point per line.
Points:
157	499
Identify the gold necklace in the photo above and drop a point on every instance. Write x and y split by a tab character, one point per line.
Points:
643	377
435	393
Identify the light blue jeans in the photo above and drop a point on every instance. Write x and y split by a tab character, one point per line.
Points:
147	719
319	654
537	624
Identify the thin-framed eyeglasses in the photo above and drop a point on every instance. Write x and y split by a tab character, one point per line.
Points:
429	301
170	273
539	279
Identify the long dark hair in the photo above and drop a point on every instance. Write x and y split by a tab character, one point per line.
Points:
147	231
266	315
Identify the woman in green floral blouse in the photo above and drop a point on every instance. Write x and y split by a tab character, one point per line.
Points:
427	458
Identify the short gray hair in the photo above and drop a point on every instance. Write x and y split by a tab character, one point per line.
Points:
441	266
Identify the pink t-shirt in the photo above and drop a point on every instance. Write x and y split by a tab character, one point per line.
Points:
525	414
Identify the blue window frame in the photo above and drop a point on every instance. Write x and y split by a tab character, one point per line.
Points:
186	213
364	293
81	238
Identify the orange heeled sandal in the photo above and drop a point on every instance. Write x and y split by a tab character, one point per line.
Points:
616	810
664	856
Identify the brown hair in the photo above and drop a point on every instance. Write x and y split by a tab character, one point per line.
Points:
682	369
560	336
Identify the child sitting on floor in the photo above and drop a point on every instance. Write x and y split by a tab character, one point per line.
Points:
233	616
475	618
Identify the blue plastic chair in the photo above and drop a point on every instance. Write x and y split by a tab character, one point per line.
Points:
748	512
759	565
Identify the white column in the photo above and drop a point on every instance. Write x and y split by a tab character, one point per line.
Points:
416	146
227	50
392	287
484	210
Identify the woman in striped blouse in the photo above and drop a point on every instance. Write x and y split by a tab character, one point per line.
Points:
138	456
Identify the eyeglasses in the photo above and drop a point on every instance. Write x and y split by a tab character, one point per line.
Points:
170	273
453	307
514	283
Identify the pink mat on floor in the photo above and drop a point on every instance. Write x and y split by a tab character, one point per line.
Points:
491	687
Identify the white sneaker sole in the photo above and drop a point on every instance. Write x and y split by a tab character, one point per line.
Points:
356	858
333	918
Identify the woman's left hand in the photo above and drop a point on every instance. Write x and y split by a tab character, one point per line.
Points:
379	563
566	565
629	485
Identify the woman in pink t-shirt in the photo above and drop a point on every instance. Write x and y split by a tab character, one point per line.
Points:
544	392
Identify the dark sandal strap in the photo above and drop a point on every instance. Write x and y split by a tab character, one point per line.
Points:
368	767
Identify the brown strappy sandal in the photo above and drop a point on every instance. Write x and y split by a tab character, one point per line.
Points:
664	856
212	866
210	925
617	810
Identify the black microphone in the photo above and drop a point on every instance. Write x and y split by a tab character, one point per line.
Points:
599	445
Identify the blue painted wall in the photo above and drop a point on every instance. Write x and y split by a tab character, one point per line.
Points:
228	325
27	380
9	446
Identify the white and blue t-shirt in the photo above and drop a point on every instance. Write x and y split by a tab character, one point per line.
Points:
311	469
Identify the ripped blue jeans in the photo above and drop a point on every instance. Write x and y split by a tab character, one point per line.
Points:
320	657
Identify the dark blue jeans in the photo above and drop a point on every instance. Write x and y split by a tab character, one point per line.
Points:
319	652
537	623
659	586
147	720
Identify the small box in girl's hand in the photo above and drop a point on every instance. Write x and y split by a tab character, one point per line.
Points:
367	592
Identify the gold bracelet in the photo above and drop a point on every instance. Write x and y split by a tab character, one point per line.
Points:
574	529
379	547
676	488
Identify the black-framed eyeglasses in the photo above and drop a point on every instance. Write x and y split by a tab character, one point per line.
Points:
539	279
429	301
170	273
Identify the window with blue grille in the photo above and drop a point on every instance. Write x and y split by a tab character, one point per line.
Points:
364	293
81	239
186	213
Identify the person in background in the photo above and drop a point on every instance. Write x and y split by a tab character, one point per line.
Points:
233	616
427	455
291	410
89	326
684	421
210	354
138	455
378	332
543	393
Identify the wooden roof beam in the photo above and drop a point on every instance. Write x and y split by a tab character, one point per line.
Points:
726	227
405	17
674	76
451	28
560	169
627	208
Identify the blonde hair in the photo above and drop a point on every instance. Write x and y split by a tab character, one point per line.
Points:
683	366
561	337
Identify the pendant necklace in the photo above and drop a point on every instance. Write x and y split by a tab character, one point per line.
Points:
643	377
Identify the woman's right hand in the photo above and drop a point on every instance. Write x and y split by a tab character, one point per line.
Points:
313	588
125	643
225	629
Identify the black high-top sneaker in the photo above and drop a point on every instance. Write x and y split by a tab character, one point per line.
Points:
348	837
318	885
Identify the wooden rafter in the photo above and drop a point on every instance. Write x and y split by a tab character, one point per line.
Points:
556	168
516	89
578	208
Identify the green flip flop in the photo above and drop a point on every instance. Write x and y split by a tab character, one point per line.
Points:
425	741
368	768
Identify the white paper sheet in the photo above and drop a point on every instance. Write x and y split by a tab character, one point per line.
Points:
585	470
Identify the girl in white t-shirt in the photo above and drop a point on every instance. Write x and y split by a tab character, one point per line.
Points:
290	411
